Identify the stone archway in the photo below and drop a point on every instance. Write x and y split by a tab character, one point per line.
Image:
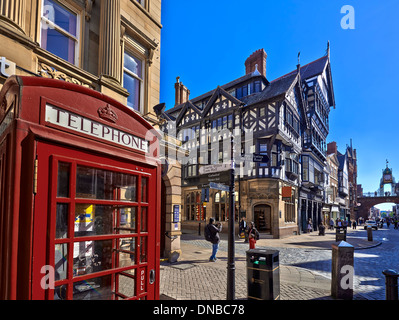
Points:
366	203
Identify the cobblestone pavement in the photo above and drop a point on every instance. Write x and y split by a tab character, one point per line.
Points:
305	266
368	263
195	278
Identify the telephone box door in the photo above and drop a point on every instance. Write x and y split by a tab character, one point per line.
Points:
96	219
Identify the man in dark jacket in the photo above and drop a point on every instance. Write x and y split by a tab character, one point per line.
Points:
213	230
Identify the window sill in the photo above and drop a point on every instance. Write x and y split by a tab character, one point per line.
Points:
64	70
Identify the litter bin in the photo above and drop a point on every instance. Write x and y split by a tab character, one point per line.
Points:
340	234
263	274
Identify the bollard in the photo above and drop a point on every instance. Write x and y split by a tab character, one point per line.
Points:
342	271
199	228
391	284
369	233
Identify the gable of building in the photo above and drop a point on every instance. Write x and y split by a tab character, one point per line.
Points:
220	102
188	115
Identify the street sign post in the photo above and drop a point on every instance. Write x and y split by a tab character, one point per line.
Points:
221	176
231	246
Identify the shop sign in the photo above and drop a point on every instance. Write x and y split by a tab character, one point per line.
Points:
75	122
286	193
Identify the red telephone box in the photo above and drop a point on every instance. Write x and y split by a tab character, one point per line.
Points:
79	195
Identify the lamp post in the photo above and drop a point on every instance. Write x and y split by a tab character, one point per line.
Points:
230	258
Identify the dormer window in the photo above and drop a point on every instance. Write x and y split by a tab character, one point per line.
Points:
248	89
256	86
242	92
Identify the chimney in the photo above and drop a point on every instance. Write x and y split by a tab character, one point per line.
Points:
256	60
332	148
182	94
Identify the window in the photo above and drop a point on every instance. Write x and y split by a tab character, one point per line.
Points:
256	86
133	81
193	207
59	31
289	207
263	151
220	206
305	168
190	170
142	2
242	92
230	121
291	165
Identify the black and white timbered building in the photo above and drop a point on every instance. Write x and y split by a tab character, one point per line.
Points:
286	119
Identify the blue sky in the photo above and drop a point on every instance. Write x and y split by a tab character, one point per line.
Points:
206	43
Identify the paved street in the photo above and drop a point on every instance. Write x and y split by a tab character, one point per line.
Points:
307	256
369	263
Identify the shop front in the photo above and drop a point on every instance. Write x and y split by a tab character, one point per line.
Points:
80	195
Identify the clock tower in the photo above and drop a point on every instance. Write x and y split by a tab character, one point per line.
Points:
387	178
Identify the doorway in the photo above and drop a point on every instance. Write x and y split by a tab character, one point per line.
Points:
262	218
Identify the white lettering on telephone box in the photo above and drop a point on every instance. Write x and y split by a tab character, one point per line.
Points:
142	280
75	122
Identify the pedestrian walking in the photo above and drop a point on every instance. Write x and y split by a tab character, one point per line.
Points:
212	235
354	224
331	224
242	228
253	235
309	225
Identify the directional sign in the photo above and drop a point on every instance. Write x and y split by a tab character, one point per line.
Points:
255	157
218	177
218	186
212	168
247	157
260	158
